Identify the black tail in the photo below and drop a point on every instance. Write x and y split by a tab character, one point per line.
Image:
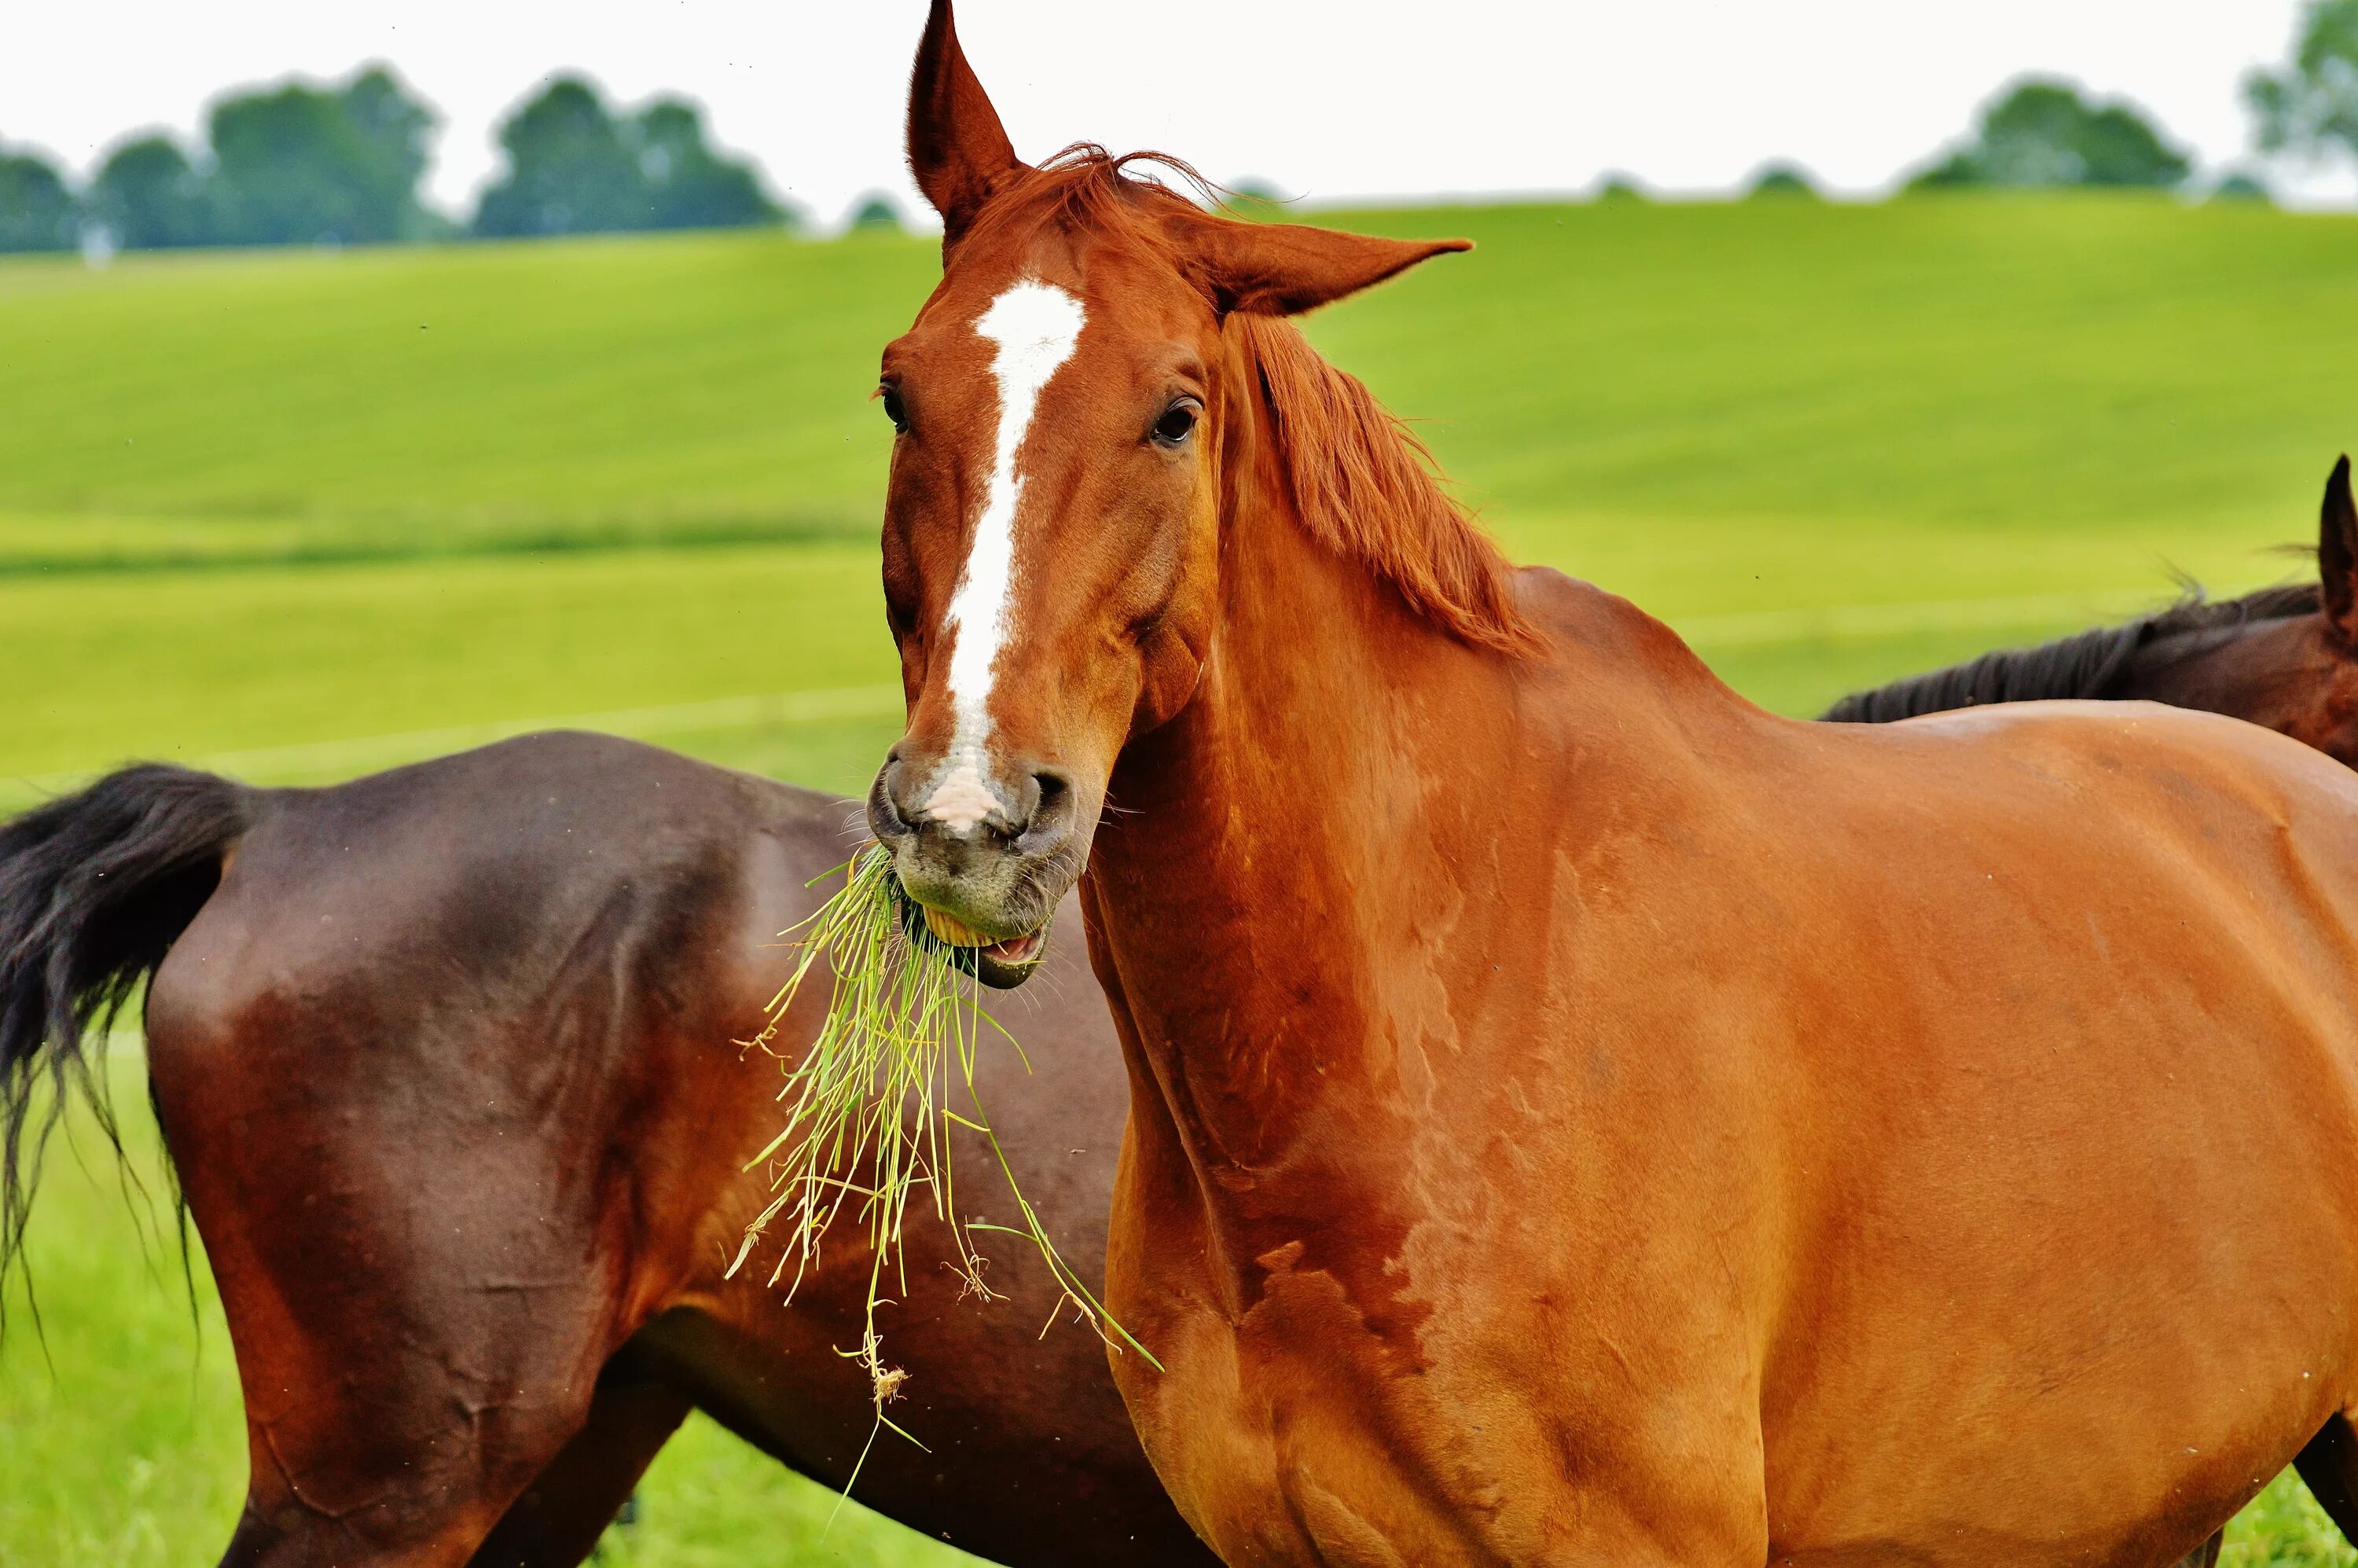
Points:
94	888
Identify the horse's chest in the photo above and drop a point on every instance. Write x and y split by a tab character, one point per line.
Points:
1296	1441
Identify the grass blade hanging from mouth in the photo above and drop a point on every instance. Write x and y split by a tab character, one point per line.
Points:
870	1112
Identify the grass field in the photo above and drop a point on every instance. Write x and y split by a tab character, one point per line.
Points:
309	514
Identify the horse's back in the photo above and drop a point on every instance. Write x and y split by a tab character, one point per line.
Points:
509	968
511	859
2222	825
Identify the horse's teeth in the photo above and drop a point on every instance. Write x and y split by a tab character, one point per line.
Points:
951	930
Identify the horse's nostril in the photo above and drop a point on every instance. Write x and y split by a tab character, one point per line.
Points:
1055	797
1044	796
888	810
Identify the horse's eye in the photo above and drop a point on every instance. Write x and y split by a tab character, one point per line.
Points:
895	410
1178	423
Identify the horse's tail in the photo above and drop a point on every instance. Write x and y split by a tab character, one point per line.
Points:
95	888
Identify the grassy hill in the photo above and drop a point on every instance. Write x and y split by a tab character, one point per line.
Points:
311	514
524	482
2042	362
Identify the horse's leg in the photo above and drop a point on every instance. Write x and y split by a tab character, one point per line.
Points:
558	1520
359	1469
420	1310
2330	1466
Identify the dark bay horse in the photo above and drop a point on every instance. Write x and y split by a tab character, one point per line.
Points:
444	1061
1577	1117
2281	658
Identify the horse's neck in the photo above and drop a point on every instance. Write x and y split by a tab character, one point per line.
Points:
2252	670
1275	867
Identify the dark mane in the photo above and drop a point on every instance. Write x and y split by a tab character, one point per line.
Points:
2085	665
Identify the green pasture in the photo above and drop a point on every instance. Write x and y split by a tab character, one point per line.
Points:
301	515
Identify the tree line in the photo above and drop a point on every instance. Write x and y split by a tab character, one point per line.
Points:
342	165
2046	133
2043	132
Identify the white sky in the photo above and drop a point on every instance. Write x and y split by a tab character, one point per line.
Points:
1331	98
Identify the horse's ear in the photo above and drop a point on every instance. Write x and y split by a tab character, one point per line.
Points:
1282	269
958	149
2337	552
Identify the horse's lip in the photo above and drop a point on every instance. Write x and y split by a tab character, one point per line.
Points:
1013	951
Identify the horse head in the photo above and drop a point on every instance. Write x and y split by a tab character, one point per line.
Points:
1066	409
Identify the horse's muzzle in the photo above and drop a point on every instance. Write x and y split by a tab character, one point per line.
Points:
982	881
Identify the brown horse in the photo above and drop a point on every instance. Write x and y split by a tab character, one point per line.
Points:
1577	1117
443	1058
2281	658
557	829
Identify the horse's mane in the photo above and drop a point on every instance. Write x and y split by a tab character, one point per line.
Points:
1361	484
1366	487
2086	665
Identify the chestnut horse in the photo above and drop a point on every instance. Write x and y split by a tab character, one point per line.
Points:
1575	1116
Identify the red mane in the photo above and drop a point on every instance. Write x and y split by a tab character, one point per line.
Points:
1366	487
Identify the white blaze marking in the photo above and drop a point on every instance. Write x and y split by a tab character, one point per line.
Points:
1034	326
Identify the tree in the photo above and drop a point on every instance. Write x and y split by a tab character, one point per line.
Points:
2242	185
38	212
575	168
569	172
876	213
2312	106
690	185
147	195
2045	133
307	166
1783	179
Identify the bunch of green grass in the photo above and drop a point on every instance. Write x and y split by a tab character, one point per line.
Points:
870	1108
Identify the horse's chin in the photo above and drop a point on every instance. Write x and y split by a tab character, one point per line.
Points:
1002	963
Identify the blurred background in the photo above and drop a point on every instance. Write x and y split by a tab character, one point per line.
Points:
378	380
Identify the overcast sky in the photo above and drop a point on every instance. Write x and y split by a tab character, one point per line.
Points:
1326	99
